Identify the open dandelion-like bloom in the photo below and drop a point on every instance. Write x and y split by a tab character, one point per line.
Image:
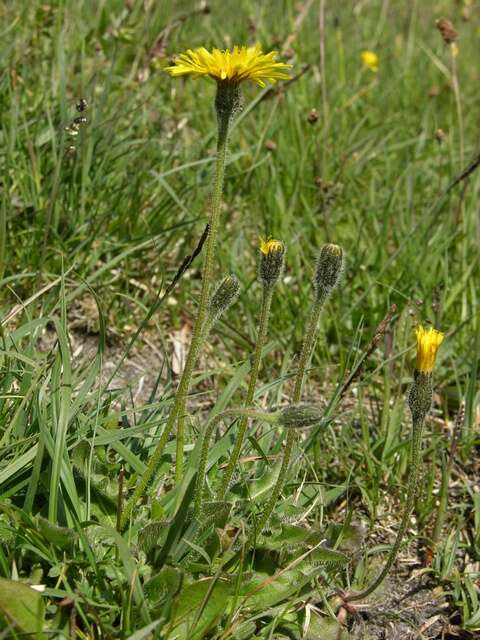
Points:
270	246
235	66
428	341
370	60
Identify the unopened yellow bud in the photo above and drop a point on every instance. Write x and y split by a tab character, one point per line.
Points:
271	261
428	341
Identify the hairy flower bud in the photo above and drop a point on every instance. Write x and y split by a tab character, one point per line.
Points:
420	396
224	296
228	99
421	392
271	262
328	271
300	416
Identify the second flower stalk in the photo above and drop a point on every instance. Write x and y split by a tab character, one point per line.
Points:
272	257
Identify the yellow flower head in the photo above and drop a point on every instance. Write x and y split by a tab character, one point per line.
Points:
370	60
270	246
237	65
428	341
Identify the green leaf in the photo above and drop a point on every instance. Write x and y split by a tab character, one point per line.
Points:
149	535
288	512
200	606
166	582
293	536
23	607
215	512
347	538
323	555
145	632
325	629
264	591
59	536
245	631
262	486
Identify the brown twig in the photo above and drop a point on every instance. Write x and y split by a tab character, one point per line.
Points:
379	333
466	173
159	300
187	262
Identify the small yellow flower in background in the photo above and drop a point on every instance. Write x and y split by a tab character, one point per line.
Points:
454	49
237	65
370	60
428	341
270	246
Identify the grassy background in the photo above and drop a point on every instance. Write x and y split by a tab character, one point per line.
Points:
99	230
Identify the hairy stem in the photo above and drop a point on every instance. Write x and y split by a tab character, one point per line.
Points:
307	349
179	405
305	356
242	427
196	343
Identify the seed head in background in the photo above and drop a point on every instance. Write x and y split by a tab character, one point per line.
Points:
447	30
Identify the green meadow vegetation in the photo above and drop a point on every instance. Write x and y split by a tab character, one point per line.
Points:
259	494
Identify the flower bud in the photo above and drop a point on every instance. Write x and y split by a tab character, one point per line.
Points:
329	270
224	296
420	396
271	262
299	416
228	99
421	392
